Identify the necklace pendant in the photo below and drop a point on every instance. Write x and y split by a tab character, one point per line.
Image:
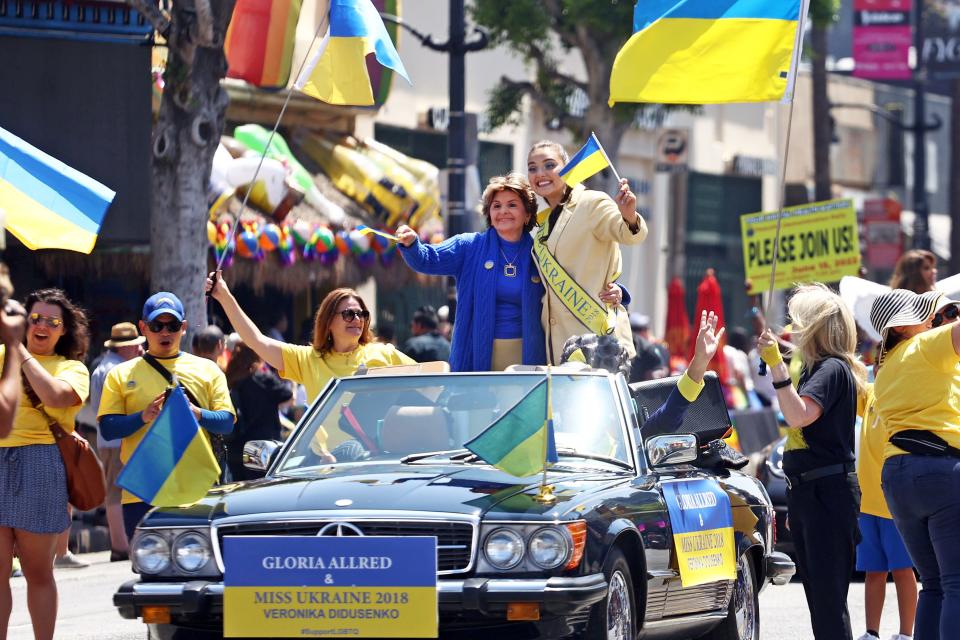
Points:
510	270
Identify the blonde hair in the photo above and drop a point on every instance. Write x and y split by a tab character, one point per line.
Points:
823	327
517	183
550	144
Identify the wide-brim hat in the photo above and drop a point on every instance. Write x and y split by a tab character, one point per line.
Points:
124	334
903	308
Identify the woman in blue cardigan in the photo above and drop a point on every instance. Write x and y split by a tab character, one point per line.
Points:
499	293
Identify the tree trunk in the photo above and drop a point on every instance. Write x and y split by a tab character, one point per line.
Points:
185	137
821	115
955	182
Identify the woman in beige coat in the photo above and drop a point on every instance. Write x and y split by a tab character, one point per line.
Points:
577	250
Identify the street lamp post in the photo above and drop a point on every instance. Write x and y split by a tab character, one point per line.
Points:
921	208
457	46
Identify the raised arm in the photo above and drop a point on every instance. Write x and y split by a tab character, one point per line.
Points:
12	327
444	259
52	392
799	411
267	348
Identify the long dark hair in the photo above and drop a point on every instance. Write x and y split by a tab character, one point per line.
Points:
908	274
243	362
75	340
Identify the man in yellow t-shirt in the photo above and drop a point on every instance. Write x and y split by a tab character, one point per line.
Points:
133	391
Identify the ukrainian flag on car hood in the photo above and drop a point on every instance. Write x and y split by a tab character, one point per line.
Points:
709	51
48	205
173	464
337	71
521	441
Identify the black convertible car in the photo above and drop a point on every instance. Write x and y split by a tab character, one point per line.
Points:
598	562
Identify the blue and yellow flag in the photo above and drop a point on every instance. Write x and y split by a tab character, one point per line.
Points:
702	522
337	71
585	163
709	51
521	441
173	464
48	205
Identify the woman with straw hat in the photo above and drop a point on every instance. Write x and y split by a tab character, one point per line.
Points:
916	392
823	497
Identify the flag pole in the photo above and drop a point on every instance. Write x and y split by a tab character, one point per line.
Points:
266	148
804	7
546	495
606	157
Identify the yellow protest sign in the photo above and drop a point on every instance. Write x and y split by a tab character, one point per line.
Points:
819	242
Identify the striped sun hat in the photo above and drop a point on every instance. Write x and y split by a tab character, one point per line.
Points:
902	308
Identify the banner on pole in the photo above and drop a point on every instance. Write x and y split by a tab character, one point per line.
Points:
818	242
882	38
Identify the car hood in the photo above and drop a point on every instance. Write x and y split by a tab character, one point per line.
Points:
377	487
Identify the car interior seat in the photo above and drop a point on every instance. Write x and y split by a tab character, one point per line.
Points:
414	429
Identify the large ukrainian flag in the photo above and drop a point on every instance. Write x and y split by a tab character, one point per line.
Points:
46	204
709	51
337	71
521	441
173	464
585	163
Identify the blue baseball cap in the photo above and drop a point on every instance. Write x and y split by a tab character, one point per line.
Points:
161	303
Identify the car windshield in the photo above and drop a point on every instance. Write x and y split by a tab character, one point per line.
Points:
388	418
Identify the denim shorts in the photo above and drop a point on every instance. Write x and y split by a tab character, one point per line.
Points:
881	548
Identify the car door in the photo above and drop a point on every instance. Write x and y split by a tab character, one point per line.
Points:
708	419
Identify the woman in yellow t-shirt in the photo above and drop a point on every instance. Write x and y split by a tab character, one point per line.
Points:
916	390
342	342
33	481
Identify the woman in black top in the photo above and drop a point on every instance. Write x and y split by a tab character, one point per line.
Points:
823	498
256	395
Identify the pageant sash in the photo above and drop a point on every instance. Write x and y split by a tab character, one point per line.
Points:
595	316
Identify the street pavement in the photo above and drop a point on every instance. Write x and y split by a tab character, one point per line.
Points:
87	613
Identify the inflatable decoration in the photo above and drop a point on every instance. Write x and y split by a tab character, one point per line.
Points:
286	248
387	255
301	230
248	242
343	242
325	240
359	242
255	137
211	233
270	237
367	260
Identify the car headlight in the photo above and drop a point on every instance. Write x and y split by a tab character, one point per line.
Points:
191	551
151	553
504	548
548	548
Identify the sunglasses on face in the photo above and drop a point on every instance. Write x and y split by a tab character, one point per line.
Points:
51	321
947	314
354	314
156	326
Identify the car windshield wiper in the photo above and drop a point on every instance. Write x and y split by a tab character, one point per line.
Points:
460	455
573	453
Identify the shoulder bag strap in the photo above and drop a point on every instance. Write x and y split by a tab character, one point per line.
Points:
54	426
169	377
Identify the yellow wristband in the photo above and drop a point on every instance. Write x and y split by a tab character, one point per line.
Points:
771	355
688	388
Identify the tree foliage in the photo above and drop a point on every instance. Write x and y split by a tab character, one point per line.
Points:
543	32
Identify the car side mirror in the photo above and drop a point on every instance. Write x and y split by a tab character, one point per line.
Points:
258	454
671	449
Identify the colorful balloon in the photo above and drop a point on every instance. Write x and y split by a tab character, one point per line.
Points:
325	240
270	237
359	242
248	242
343	242
301	231
211	232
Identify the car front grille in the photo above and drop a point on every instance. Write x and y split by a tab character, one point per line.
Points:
454	539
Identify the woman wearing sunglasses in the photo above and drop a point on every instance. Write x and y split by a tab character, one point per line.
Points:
33	481
342	341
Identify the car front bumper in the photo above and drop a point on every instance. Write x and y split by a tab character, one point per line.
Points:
559	596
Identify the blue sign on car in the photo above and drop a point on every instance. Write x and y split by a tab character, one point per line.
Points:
303	586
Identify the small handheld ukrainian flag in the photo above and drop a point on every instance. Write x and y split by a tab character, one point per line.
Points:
590	160
47	204
173	464
521	441
337	70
